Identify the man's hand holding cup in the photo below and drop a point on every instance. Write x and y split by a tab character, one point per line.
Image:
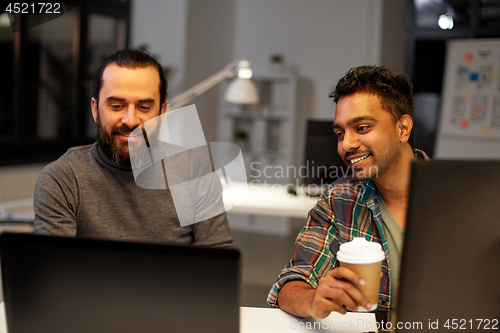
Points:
364	260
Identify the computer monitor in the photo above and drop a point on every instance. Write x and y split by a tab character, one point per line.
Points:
450	274
323	162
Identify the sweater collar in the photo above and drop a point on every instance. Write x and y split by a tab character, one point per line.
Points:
104	159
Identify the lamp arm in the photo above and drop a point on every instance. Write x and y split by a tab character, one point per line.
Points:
187	96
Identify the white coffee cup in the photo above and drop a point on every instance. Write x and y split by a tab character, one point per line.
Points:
365	258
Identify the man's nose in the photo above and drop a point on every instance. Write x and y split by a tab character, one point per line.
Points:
350	142
130	118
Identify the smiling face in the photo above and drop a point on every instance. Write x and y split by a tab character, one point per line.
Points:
128	98
370	140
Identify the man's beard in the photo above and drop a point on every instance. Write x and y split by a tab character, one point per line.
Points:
382	165
119	152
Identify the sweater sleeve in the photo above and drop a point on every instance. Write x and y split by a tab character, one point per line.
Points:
213	229
55	201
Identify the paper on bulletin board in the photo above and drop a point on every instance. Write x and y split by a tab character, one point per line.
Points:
470	109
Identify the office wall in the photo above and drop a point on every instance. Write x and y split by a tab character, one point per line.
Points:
194	38
209	48
162	26
393	36
320	39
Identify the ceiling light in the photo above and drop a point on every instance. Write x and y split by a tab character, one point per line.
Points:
445	21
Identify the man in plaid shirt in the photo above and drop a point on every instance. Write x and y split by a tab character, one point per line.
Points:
373	123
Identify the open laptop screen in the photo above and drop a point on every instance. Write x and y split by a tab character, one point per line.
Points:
58	285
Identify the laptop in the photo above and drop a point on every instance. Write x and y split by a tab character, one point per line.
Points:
450	274
61	285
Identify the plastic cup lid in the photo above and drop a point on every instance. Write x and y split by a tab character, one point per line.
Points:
360	251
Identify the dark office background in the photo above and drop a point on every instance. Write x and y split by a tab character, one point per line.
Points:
46	80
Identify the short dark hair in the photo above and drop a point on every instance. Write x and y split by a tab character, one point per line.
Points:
394	90
130	59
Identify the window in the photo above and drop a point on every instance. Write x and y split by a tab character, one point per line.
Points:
47	73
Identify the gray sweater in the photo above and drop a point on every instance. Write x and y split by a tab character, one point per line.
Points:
84	194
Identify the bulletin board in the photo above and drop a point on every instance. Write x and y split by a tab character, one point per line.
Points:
470	107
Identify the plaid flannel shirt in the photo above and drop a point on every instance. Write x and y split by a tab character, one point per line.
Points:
347	209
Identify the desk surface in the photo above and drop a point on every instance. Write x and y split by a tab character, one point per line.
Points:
266	320
270	199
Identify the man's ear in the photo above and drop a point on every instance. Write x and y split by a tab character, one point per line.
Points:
405	125
163	108
93	106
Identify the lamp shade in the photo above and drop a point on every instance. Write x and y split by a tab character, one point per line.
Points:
242	91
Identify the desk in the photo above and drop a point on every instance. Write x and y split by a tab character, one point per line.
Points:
266	320
22	210
270	199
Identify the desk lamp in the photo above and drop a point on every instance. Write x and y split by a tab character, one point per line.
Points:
240	91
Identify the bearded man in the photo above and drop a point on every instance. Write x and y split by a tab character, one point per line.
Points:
90	191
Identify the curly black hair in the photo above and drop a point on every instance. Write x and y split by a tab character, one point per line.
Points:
394	90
